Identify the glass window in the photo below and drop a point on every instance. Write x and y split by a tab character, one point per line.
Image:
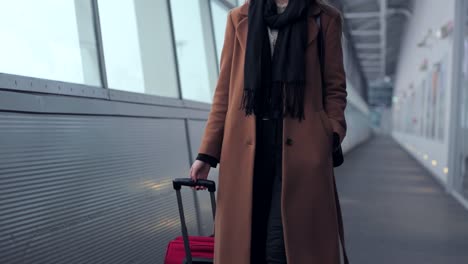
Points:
219	15
50	39
138	48
194	43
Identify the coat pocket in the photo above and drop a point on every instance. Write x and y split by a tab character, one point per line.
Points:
326	125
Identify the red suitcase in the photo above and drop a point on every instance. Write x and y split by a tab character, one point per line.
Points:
187	249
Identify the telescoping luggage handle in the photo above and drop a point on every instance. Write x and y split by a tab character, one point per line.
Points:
177	184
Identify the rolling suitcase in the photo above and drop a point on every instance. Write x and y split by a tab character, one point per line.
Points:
187	249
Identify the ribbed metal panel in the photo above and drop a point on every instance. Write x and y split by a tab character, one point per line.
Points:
90	189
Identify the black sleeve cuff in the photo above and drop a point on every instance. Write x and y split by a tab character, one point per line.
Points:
336	140
208	159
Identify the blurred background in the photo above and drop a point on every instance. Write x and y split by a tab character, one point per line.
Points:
103	103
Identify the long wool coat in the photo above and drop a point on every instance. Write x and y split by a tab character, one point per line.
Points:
308	203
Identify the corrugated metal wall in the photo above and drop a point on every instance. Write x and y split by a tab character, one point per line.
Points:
90	189
86	180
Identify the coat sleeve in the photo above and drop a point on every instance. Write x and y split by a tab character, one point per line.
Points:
214	130
335	77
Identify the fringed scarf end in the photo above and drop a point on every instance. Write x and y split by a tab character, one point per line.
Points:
294	99
247	101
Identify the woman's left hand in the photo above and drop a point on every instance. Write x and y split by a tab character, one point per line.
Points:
199	171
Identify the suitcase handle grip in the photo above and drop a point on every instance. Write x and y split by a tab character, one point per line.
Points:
179	182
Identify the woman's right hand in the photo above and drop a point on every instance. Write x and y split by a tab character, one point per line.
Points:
199	170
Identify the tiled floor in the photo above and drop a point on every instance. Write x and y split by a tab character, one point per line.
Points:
395	212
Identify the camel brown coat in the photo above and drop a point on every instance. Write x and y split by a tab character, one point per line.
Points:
308	203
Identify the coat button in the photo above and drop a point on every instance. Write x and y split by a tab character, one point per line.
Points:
249	142
289	141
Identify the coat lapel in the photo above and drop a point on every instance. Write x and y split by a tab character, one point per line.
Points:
242	26
312	27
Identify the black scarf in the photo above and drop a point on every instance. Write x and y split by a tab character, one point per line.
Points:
264	76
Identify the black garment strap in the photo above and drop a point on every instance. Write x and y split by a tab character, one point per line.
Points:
321	56
340	222
337	201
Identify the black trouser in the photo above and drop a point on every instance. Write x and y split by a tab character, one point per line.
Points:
267	245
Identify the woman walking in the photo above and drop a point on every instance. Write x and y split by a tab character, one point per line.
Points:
273	136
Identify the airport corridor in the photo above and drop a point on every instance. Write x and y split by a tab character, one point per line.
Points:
395	212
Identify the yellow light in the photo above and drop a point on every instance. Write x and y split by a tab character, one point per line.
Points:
426	156
434	162
446	170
